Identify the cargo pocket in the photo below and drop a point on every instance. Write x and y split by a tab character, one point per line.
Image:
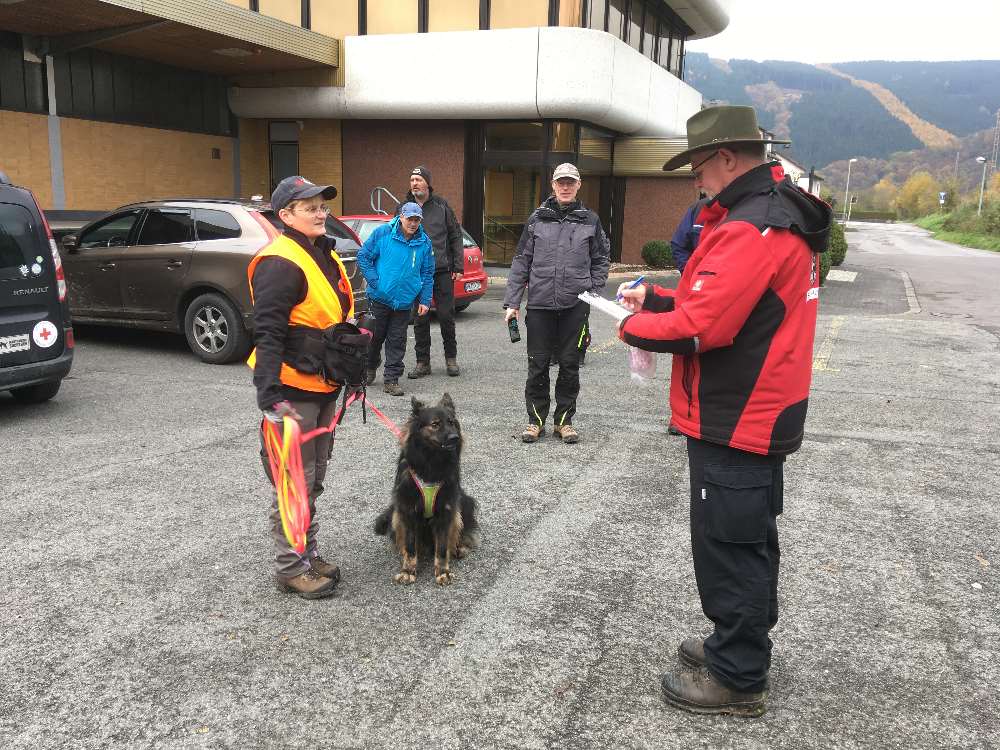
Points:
737	503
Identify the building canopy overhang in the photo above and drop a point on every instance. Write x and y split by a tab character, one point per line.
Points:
212	36
705	18
526	74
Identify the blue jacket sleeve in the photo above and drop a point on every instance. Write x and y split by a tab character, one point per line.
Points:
680	243
367	256
427	274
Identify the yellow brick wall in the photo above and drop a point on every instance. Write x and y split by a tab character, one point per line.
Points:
289	11
254	159
24	153
570	12
320	157
106	165
453	15
514	14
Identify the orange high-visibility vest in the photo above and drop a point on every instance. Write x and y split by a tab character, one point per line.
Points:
320	309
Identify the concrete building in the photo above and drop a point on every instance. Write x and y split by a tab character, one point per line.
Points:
103	102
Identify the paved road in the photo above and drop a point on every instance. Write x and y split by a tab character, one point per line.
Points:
137	610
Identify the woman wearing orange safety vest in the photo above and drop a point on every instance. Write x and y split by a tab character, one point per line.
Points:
297	282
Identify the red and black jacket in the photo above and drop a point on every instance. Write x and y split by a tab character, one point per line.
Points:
743	317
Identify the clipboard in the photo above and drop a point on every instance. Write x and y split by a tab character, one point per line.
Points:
606	306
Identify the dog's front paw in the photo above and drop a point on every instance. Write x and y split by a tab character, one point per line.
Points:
405	578
444	579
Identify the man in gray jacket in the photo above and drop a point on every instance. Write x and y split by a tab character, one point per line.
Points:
446	237
563	251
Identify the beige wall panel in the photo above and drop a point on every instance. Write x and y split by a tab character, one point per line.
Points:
254	159
24	153
515	14
336	18
106	164
392	17
321	157
240	3
289	11
453	15
570	12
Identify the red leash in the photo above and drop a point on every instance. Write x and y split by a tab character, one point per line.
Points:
390	425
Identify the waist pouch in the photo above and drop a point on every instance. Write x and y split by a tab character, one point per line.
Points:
338	354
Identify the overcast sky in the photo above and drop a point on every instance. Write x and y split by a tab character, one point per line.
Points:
816	31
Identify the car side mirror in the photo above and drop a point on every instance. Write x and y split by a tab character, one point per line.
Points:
71	243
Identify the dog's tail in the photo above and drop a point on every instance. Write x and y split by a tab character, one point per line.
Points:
384	522
470	526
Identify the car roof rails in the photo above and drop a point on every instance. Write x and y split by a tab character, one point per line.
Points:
4	179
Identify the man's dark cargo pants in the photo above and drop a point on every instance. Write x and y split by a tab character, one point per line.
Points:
553	331
735	498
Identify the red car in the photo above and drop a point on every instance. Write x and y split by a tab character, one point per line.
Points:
472	283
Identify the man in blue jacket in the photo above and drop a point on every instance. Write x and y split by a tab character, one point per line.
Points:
397	261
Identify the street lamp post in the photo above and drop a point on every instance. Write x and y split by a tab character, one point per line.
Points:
982	185
847	187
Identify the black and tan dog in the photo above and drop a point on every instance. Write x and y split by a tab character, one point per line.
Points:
430	510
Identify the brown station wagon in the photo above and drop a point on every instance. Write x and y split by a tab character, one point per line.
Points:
181	265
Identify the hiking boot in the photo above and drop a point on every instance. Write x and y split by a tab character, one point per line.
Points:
308	585
531	433
422	370
325	569
451	365
692	652
566	433
392	388
700	693
369	377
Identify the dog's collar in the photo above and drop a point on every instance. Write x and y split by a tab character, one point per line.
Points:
430	492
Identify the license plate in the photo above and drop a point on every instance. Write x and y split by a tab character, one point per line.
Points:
11	344
473	286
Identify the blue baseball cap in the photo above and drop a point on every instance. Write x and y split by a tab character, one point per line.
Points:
411	209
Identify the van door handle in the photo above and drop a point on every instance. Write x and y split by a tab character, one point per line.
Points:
175	263
107	266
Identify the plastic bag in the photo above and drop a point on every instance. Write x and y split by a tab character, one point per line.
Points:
641	364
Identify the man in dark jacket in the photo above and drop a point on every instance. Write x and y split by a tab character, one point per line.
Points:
685	238
563	251
741	326
446	237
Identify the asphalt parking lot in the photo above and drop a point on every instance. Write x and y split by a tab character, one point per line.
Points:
138	609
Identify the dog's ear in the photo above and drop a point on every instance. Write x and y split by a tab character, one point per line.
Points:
447	403
417	405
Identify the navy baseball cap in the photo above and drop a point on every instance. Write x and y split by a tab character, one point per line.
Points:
297	188
411	209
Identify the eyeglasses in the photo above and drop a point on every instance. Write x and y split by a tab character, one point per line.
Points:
696	171
321	209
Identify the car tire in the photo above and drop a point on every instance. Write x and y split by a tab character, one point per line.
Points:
36	394
214	330
459	308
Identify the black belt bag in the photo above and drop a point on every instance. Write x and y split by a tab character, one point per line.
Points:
338	354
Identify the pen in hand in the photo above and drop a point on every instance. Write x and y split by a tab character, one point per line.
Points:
633	285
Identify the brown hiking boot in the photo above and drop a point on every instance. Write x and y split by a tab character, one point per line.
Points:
369	377
692	652
325	569
308	585
532	432
700	693
566	433
422	370
451	365
392	388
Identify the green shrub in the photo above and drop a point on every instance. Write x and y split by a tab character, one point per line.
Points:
824	266
838	245
657	254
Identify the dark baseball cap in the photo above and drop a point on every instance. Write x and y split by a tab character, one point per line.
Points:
298	188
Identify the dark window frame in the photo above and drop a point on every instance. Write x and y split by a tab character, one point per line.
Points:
255	6
306	14
423	16
362	17
484	15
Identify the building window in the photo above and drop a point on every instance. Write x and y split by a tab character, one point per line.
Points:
597	13
616	17
636	10
648	26
283	142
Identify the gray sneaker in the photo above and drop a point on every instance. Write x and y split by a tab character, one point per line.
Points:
392	388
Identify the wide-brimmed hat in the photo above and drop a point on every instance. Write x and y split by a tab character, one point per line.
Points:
716	127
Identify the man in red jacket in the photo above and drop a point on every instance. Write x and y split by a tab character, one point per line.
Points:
740	326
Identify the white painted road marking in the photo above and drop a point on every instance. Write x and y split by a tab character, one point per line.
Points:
835	274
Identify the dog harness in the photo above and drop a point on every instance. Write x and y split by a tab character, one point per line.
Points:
429	491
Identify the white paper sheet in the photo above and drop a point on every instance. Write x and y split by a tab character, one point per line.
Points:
613	309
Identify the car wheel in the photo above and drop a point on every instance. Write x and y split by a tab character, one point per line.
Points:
459	308
214	330
36	394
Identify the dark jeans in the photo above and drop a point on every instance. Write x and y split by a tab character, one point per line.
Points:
553	331
444	305
735	497
388	326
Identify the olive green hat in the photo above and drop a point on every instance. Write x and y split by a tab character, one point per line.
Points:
716	127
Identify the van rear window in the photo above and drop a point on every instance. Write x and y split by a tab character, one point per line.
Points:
19	247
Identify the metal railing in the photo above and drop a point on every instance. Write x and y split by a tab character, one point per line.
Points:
499	237
375	199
